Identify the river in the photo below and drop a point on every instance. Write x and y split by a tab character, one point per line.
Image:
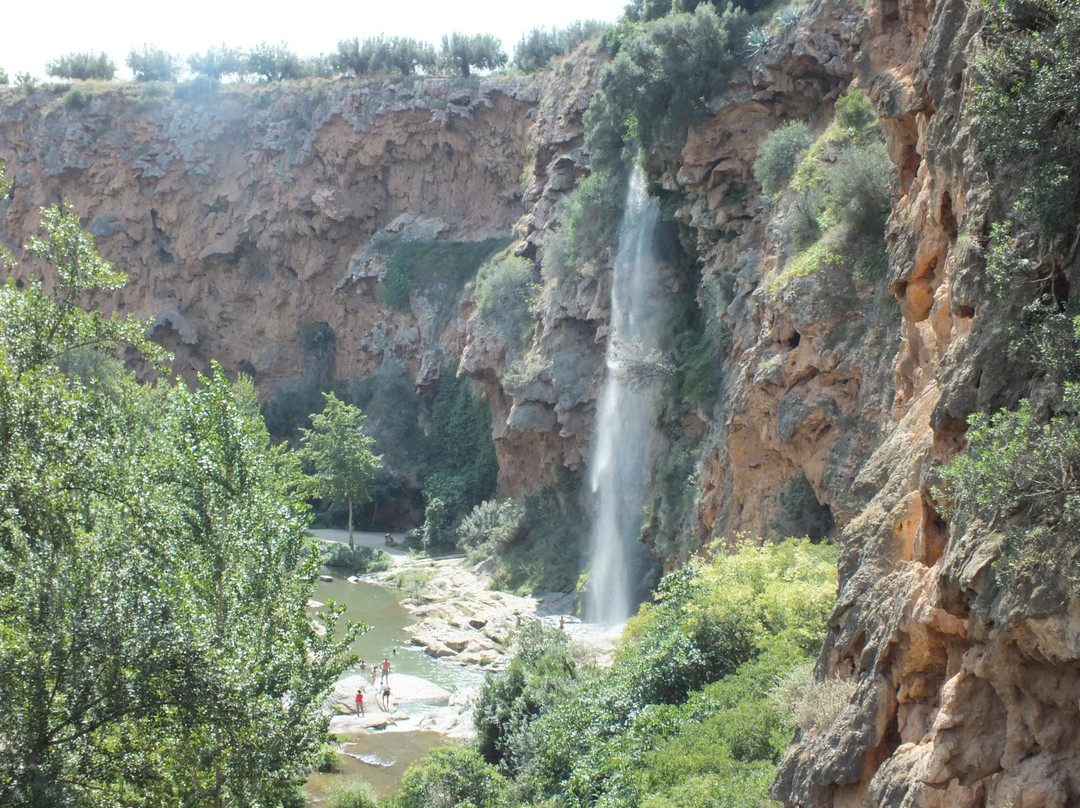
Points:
381	757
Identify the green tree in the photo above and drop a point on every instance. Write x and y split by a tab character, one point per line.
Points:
218	62
82	66
461	53
341	454
154	646
274	62
153	64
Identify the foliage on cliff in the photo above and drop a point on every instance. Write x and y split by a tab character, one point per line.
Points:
154	644
685	717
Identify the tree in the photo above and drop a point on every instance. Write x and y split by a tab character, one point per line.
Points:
153	64
341	454
217	62
82	66
461	53
274	62
154	644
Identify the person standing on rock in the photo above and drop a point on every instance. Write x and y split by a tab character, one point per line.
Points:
385	669
360	702
374	673
386	696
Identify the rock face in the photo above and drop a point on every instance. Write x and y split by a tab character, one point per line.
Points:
251	225
242	217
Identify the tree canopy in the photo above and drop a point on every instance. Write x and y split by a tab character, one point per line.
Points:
341	454
154	568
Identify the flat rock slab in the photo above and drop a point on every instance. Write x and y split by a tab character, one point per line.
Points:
404	689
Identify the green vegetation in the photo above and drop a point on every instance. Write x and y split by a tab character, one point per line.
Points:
153	64
82	66
778	155
590	224
834	192
437	269
463	53
694	711
506	289
341	454
1019	477
666	69
354	560
535	50
460	466
274	63
217	63
402	55
153	568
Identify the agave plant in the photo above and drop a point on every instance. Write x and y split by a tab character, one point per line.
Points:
757	41
788	18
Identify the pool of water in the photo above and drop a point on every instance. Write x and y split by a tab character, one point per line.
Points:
380	608
380	758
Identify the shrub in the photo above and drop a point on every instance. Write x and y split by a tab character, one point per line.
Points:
435	269
1027	108
661	81
593	212
779	154
811	704
200	88
354	795
505	291
3	77
452	777
855	111
861	182
82	66
153	64
76	98
491	526
357	561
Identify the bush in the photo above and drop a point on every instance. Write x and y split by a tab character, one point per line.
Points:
153	64
76	98
491	526
779	154
855	111
82	66
354	795
1027	108
357	561
812	704
435	269
506	289
861	182
452	777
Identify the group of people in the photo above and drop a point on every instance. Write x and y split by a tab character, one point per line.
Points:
384	701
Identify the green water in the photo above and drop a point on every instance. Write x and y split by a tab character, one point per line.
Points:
381	757
380	607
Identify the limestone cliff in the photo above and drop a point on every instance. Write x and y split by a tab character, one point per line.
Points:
245	217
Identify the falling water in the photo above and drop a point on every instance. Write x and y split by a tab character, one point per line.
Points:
618	466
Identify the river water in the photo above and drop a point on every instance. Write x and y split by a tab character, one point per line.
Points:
381	757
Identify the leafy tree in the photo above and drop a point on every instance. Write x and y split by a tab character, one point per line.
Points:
274	62
452	777
461	53
154	647
218	62
3	77
538	47
82	66
153	64
341	454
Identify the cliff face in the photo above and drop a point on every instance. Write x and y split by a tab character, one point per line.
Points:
245	218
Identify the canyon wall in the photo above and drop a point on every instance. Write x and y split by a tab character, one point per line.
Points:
253	221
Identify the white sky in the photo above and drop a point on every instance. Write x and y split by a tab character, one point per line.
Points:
33	33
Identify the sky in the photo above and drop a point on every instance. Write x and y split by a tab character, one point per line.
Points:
36	32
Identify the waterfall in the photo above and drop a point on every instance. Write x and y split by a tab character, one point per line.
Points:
618	467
